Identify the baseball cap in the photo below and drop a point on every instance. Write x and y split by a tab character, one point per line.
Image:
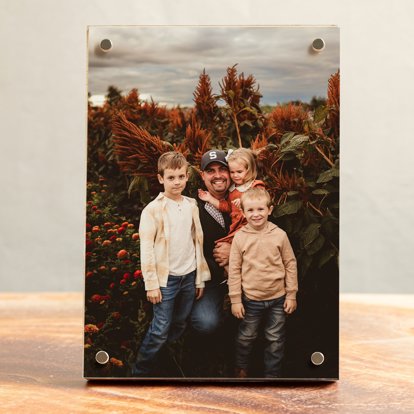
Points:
213	156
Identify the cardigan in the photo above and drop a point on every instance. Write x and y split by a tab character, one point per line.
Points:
154	243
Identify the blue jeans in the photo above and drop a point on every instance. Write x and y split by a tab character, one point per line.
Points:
169	320
271	312
207	312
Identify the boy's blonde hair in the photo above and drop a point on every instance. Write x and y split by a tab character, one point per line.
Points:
172	160
254	194
246	157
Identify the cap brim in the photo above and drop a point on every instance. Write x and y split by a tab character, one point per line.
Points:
217	162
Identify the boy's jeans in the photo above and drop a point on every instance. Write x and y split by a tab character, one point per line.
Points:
169	320
273	316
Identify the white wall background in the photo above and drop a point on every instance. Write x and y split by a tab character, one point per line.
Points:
43	129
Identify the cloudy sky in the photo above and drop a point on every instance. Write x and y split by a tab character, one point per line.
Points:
165	62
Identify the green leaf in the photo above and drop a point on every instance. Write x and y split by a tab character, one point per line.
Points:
305	262
328	175
295	143
326	256
315	246
291	207
286	137
247	122
311	233
320	191
320	114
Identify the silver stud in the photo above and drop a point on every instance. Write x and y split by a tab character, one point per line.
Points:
102	357
318	45
105	45
317	358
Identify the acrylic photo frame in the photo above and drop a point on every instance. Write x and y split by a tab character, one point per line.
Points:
152	89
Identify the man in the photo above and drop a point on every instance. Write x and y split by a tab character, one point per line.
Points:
206	314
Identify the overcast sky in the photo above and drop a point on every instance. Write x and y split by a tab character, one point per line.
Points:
165	62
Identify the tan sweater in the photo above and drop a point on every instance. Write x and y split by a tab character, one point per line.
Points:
262	265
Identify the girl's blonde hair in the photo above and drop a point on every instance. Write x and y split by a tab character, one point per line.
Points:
246	157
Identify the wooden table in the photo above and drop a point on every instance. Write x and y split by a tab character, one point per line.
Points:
41	337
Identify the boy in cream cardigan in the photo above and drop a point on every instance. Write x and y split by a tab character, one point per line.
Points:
172	259
262	283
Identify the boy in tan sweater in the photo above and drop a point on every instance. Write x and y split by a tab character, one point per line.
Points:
262	283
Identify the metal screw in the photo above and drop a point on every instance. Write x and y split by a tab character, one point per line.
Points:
318	45
102	357
105	45
317	358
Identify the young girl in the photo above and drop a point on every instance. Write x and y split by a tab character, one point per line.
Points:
243	172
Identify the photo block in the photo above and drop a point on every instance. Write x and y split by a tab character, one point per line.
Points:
212	215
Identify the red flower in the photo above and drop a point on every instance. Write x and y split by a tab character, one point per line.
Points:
96	298
127	261
116	362
121	254
123	281
112	285
137	274
107	224
87	254
89	274
126	276
88	226
120	230
94	208
91	328
112	238
124	224
135	236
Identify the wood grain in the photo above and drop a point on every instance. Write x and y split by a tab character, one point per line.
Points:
41	338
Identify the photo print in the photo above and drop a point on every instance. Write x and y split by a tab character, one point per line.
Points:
212	216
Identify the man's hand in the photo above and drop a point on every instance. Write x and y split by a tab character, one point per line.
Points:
221	253
154	296
199	293
290	306
237	309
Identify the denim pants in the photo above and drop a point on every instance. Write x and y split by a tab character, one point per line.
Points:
207	313
169	320
272	314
